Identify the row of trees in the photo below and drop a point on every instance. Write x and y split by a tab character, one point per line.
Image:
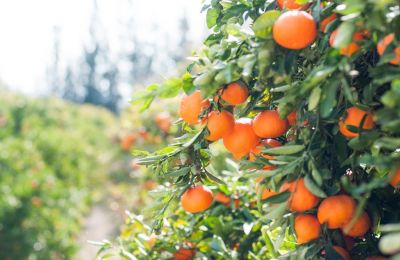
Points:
97	77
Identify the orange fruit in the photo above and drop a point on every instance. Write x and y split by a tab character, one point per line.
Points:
268	124
235	94
242	139
382	45
395	181
353	118
341	251
359	228
307	228
128	141
184	254
290	4
163	121
336	211
191	106
222	198
301	198
352	47
219	124
292	119
196	199
324	23
294	30
266	193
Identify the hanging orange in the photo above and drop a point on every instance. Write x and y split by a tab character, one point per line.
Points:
382	45
235	94
242	139
196	199
307	228
219	124
191	106
336	211
295	30
268	124
359	228
353	118
301	198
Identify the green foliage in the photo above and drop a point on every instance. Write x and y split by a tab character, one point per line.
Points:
52	157
319	84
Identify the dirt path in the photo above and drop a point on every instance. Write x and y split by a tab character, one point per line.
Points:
100	224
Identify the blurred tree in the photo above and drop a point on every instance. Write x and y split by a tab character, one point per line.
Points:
53	71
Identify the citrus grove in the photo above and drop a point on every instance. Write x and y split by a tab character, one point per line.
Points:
304	97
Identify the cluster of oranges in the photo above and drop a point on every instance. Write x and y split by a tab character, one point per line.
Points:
297	29
245	137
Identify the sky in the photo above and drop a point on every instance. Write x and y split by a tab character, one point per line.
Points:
27	32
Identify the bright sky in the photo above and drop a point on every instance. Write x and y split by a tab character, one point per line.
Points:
26	29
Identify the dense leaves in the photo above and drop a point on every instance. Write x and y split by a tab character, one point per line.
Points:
319	83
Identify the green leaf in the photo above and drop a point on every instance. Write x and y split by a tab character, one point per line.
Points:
262	26
313	188
314	98
328	98
284	150
278	198
170	88
344	35
218	244
212	16
180	172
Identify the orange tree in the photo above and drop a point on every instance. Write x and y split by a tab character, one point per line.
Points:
322	79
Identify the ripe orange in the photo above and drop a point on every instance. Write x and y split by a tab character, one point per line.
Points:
360	227
163	121
269	143
341	251
268	124
295	30
307	228
191	107
292	119
381	47
336	211
219	124
128	141
324	23
353	118
290	4
395	181
352	47
235	94
222	198
196	199
242	139
184	254
301	198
